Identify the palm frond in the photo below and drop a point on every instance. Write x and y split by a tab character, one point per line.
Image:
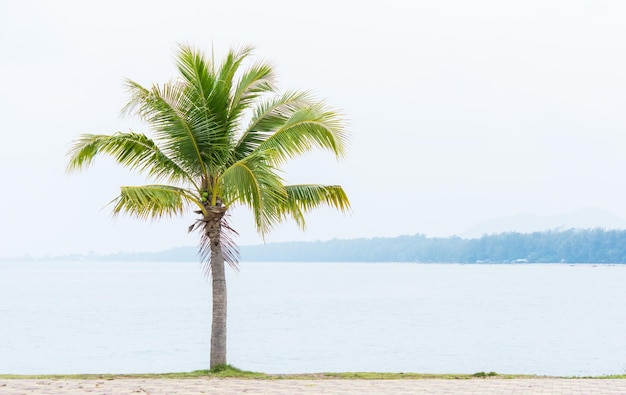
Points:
257	80
152	201
268	116
254	183
311	127
209	93
231	65
132	150
197	71
304	198
164	108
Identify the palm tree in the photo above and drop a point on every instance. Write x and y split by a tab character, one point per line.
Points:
220	135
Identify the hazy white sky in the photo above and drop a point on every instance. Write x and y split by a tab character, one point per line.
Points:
460	111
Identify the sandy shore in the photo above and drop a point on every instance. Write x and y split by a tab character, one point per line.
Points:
287	387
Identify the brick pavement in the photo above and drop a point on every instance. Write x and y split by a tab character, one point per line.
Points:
533	386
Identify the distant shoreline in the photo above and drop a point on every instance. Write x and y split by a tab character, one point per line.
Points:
573	246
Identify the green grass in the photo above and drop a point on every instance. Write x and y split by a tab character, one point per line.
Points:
610	376
413	376
229	371
226	370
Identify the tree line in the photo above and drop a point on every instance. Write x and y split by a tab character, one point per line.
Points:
571	246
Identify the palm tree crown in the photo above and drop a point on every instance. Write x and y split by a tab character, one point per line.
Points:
220	136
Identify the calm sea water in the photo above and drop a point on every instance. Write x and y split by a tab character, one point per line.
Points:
74	317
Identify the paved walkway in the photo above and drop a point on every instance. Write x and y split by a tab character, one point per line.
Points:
309	387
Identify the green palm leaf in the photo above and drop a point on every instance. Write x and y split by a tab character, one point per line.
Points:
253	183
179	135
306	129
268	116
152	201
209	93
302	199
259	79
132	150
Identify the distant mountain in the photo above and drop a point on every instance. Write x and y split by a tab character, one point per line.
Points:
586	218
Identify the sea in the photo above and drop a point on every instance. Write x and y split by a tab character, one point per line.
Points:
138	317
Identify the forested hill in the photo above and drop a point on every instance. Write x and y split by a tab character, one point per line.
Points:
572	246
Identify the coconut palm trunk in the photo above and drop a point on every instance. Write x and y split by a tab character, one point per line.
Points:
213	232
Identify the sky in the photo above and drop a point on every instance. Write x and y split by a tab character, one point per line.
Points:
459	112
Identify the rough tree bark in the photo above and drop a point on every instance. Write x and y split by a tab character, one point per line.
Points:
213	229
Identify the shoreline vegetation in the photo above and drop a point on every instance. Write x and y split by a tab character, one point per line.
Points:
555	246
224	372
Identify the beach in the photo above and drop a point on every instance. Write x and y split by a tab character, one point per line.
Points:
534	386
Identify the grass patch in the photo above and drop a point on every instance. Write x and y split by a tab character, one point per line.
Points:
610	376
220	371
226	370
415	376
483	374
